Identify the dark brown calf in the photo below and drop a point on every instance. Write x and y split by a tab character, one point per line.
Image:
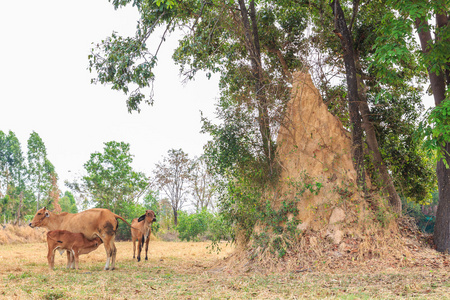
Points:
75	244
140	231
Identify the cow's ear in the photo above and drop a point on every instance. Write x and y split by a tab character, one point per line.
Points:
141	218
47	214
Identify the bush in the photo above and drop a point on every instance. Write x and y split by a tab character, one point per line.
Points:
201	225
423	221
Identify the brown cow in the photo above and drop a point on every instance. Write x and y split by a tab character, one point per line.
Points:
95	222
140	231
75	244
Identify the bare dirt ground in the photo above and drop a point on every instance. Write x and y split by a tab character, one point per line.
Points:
182	270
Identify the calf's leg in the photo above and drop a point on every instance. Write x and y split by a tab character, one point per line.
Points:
51	258
75	257
69	260
140	246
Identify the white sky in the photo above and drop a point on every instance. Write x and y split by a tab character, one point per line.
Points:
45	87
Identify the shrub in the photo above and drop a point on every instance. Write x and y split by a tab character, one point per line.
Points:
201	225
423	221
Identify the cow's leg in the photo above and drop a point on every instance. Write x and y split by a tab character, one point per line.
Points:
134	247
113	255
51	258
146	247
106	243
111	250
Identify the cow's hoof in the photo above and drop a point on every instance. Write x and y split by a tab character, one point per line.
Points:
139	259
106	269
146	258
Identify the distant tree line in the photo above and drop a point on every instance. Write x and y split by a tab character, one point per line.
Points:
28	180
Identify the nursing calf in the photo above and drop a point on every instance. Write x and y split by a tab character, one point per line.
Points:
141	228
74	243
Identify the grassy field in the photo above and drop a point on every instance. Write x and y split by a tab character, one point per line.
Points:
181	270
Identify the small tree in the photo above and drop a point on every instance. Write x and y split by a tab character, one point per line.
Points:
12	174
171	176
67	203
202	184
110	181
40	169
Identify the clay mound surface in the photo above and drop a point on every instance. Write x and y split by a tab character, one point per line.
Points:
314	149
339	227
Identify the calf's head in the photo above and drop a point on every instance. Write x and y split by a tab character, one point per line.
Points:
40	218
90	245
149	216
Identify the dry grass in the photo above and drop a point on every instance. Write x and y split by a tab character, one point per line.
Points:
10	234
189	271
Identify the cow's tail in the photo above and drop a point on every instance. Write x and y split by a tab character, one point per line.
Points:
126	222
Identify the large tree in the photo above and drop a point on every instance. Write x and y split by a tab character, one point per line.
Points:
435	57
256	46
384	99
436	53
253	46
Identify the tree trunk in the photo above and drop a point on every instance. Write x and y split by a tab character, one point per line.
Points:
438	86
20	208
442	225
253	47
355	118
175	217
372	143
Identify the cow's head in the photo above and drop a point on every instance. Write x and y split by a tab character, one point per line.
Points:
40	218
149	216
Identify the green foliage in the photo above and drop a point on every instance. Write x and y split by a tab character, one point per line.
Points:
151	202
117	66
110	181
68	204
40	170
423	221
435	131
282	222
129	211
190	226
193	227
24	184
